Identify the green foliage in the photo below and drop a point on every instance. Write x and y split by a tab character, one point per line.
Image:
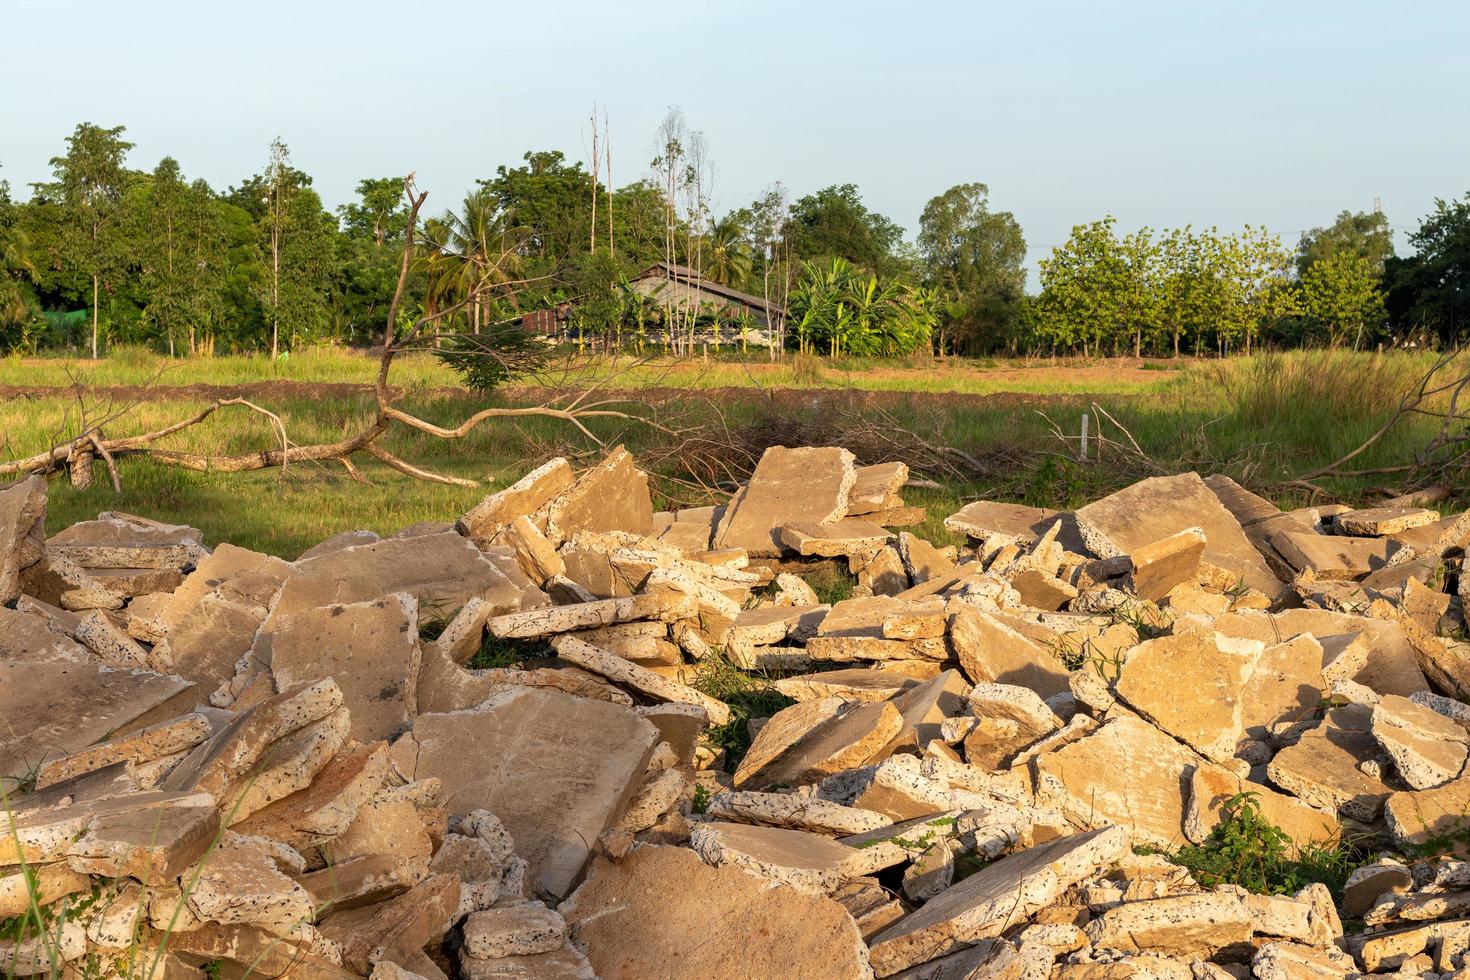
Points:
1105	294
748	696
1358	234
1246	849
1429	292
836	309
834	223
1341	293
974	258
486	361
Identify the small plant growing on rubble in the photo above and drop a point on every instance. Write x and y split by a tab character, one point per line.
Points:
1248	850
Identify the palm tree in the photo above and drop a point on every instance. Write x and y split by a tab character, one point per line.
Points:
728	258
476	252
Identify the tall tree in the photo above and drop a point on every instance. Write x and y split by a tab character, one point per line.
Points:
89	183
378	214
183	254
834	223
1362	234
1431	290
16	266
975	257
278	187
1341	293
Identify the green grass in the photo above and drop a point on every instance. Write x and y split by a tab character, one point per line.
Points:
1261	420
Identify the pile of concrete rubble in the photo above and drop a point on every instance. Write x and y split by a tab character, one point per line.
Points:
218	761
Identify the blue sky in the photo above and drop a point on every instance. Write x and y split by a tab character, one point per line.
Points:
1160	113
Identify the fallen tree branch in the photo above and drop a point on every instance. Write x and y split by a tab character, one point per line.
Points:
573	407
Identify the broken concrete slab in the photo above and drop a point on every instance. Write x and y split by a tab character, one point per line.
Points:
1324	768
1331	556
1162	565
325	809
806	862
847	740
1383	521
113	541
145	745
371	648
153	842
1001	895
29	637
564	769
640	679
839	539
611	496
983	518
989	651
22	532
794	813
634	918
442	571
665	607
1177	925
524	497
1155	508
788	485
55	709
876	488
850	684
1192	686
1427	749
514	930
1095	780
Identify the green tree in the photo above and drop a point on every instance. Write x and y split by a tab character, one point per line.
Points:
1363	234
974	257
89	182
1430	290
1341	294
475	253
17	267
834	223
728	258
183	253
379	213
1085	287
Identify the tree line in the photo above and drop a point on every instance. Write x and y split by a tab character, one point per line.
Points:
103	254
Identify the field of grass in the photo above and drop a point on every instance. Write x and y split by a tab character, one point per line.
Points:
1262	420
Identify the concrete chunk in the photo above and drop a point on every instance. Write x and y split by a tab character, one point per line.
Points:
524	497
634	917
788	485
370	648
989	651
563	770
1427	749
664	607
1191	685
992	900
1160	506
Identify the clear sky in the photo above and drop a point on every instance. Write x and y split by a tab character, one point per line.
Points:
1161	113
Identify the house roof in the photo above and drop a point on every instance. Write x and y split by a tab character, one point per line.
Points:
686	275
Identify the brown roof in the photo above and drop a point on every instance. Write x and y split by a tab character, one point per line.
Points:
686	275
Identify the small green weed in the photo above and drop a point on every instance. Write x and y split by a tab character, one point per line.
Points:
748	695
495	652
1248	850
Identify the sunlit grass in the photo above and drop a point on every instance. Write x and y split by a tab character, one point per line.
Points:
1262	420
